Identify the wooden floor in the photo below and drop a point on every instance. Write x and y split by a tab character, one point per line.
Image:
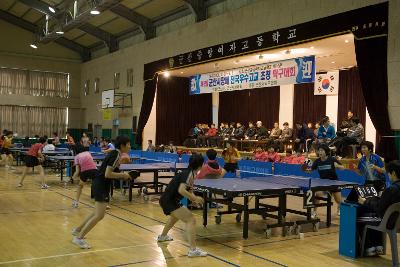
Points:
35	230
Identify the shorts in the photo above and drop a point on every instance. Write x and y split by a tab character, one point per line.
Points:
231	167
31	161
89	174
101	190
5	151
169	206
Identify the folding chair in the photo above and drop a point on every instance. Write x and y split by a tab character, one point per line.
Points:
389	224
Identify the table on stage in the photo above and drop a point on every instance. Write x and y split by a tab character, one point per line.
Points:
272	186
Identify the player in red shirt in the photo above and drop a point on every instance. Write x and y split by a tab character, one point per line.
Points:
34	158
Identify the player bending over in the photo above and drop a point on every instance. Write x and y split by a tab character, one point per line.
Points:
179	187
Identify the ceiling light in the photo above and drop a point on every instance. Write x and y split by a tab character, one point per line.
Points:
94	11
52	9
181	72
333	62
312	47
166	74
346	41
59	32
34	46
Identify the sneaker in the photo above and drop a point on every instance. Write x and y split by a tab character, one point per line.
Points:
196	253
80	243
75	204
164	238
379	250
75	232
314	215
20	185
370	251
338	211
45	186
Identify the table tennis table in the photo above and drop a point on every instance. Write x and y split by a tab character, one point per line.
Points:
154	168
270	186
62	160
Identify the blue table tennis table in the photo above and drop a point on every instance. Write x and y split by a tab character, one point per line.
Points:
61	160
155	184
270	186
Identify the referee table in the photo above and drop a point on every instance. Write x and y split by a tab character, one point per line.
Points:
268	187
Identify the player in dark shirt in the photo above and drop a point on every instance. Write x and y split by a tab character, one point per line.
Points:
101	188
377	206
180	187
326	166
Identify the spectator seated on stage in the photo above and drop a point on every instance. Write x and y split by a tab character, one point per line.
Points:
346	124
238	133
210	169
261	132
354	136
250	132
191	138
275	132
285	138
295	158
259	154
211	136
271	155
232	128
201	131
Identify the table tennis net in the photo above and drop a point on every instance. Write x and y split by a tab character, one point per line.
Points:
302	182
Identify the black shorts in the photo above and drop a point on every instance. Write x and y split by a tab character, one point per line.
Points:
169	206
101	190
89	174
31	161
231	167
5	151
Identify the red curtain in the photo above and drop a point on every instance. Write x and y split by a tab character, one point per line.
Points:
147	104
177	111
307	107
350	95
250	105
371	57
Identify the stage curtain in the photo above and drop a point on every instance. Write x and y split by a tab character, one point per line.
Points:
250	105
350	95
371	57
307	107
147	104
177	111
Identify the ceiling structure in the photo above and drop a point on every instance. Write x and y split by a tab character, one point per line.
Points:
331	54
71	24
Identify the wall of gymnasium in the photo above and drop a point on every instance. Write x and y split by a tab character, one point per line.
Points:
222	27
16	53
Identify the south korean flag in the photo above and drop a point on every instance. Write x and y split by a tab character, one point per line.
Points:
327	84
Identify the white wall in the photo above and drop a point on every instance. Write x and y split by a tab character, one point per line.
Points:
215	107
332	108
286	105
149	131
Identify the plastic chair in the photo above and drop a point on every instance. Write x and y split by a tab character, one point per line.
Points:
392	213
